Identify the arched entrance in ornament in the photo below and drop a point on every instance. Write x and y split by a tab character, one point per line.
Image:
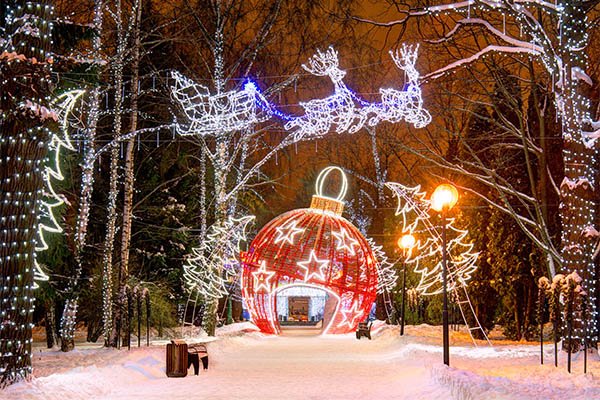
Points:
317	313
311	247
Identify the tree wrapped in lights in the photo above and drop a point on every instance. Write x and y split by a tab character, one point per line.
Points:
426	255
25	87
213	267
554	36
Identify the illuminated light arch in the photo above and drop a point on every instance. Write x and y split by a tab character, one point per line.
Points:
320	256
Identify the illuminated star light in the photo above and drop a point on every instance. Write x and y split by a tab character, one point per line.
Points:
314	267
351	312
343	239
292	230
262	277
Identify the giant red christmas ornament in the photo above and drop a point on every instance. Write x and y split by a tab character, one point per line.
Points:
314	247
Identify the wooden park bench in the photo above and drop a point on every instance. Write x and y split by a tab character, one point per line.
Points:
197	352
364	329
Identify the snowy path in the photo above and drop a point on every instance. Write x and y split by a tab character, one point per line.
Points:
297	366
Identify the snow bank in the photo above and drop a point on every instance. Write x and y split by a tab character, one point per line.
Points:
299	365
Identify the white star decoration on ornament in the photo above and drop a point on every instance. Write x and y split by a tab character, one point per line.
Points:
351	312
314	267
290	230
344	241
262	277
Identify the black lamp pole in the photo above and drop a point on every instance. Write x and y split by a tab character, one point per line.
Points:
403	295
446	338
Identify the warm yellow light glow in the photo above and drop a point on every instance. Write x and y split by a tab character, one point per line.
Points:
406	242
444	197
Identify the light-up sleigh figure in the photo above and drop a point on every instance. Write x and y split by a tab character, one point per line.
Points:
207	114
346	112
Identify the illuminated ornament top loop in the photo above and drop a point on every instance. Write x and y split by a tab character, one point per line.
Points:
326	203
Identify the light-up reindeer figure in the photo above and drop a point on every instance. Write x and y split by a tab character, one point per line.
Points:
337	110
346	112
407	104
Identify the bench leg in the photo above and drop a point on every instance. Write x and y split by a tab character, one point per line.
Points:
193	359
205	362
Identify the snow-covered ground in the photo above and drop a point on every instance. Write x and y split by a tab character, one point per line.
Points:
245	364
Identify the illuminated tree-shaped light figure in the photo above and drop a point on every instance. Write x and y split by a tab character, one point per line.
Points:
213	268
314	247
426	255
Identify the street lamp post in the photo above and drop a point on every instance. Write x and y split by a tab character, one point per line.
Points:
406	242
443	199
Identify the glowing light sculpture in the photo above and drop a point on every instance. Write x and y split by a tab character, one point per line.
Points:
426	256
327	252
62	107
211	268
207	114
237	110
344	111
386	274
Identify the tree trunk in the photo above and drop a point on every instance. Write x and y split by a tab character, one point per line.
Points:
23	148
51	336
67	325
577	210
114	189
128	186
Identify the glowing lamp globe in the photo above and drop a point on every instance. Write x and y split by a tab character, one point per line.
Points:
444	197
406	242
314	248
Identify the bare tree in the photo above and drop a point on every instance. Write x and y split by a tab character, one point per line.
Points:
555	37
